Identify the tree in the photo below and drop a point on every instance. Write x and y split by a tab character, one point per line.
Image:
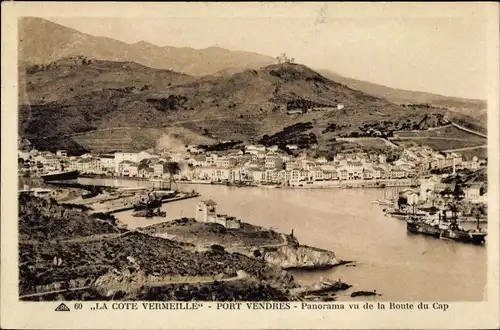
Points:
402	200
458	193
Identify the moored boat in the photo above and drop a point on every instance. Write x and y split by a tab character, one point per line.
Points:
444	230
150	213
60	175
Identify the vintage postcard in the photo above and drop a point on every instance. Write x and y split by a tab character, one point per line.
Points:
250	165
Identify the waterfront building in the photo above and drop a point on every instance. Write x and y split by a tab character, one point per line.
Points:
285	175
295	175
144	171
316	174
107	163
221	174
397	173
368	174
258	175
238	174
354	170
128	168
473	192
158	170
204	173
273	162
377	172
272	175
120	157
48	160
224	162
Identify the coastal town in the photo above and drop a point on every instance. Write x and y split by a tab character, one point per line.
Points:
254	165
426	179
268	182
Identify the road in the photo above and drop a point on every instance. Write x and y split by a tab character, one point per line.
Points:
39	294
172	124
467	148
80	239
427	138
469	130
180	280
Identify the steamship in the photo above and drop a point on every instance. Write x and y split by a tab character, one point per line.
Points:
60	175
445	230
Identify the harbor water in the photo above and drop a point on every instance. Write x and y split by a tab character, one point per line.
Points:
398	265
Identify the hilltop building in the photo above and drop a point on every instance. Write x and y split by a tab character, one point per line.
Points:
206	212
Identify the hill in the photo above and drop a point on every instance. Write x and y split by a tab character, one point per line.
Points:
63	247
471	107
42	41
77	102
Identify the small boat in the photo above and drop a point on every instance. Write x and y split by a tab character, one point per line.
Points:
150	213
149	204
89	194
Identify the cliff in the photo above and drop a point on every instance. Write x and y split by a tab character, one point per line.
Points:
300	257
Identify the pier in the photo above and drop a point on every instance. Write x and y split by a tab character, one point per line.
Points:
130	206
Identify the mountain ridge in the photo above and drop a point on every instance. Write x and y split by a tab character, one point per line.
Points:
105	102
198	62
42	41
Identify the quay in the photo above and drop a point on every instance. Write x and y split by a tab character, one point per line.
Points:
74	184
127	205
308	184
382	183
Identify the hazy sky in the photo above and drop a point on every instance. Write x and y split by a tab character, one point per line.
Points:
439	48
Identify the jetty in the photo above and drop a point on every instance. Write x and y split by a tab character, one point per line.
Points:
126	205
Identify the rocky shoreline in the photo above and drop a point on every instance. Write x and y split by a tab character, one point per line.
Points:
79	256
275	248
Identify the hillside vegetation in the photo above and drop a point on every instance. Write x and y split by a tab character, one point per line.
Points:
77	95
42	42
63	247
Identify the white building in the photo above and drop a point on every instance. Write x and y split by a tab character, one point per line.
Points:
134	157
206	211
107	163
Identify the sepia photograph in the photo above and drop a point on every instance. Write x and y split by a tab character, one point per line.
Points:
321	159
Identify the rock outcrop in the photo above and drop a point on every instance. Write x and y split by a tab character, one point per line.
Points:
300	257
